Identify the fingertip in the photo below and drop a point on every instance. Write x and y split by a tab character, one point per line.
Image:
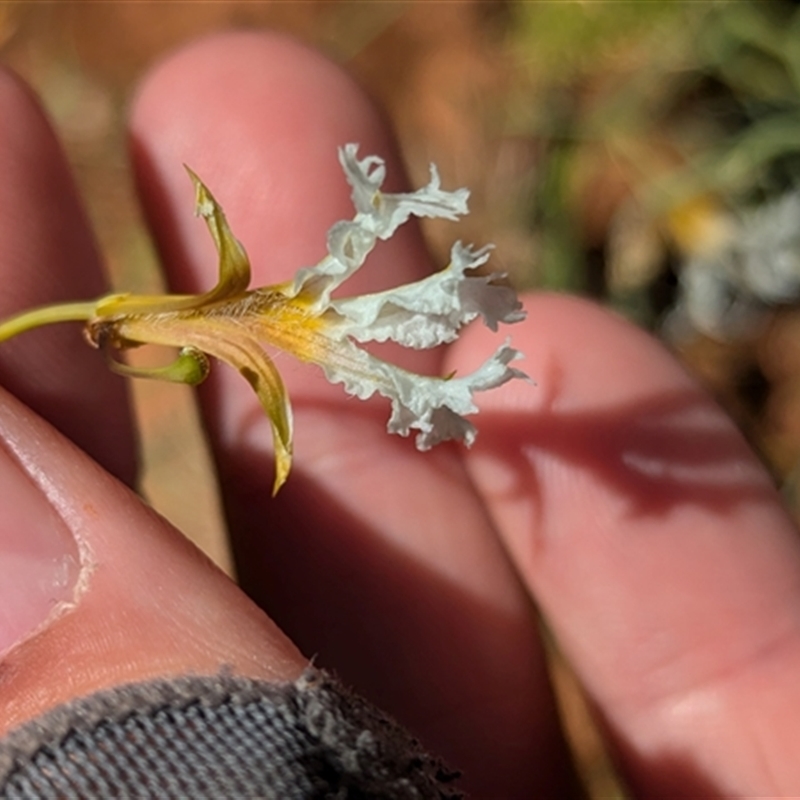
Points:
651	537
45	234
259	117
48	254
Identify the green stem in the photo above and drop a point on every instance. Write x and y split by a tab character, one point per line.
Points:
46	315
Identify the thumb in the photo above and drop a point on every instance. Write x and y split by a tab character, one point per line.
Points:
97	590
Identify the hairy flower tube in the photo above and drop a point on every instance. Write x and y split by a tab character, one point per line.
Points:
233	323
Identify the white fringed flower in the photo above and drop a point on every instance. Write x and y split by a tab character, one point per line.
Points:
232	322
725	292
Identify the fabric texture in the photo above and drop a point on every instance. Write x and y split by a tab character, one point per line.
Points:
220	737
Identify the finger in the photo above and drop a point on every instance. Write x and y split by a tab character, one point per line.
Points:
374	557
657	548
96	590
47	255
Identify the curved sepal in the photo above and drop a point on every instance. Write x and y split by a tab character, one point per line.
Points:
190	367
234	265
234	268
249	358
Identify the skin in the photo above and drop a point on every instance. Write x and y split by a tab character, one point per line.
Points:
613	494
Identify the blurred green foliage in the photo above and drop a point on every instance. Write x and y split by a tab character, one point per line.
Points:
640	110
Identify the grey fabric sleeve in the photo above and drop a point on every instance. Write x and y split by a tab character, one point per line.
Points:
220	737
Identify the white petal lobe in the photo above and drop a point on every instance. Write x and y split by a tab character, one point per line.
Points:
436	407
378	216
431	311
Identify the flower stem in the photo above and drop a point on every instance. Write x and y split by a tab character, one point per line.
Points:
46	315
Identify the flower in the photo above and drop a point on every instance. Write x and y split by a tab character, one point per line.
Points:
233	323
752	265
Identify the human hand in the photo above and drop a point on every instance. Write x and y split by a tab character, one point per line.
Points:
631	509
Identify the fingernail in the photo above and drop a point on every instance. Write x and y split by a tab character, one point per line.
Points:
39	558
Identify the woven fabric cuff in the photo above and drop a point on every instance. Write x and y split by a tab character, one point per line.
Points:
220	737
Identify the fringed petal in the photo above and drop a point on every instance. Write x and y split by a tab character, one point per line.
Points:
383	213
434	406
432	310
378	216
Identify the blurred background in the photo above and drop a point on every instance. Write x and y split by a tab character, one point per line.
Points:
646	154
